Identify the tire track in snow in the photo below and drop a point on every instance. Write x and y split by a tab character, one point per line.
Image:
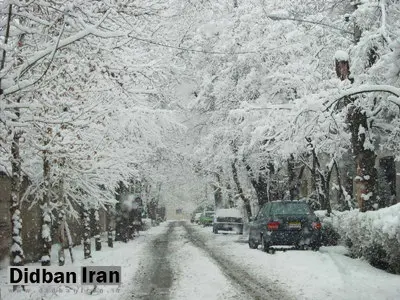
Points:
197	275
155	278
258	290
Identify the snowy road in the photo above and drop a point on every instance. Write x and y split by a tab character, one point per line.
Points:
255	288
181	266
181	261
154	278
186	261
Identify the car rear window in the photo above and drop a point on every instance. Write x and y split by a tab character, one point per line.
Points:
209	214
290	208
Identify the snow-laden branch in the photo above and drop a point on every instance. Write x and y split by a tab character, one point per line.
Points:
48	51
32	17
382	4
369	89
284	18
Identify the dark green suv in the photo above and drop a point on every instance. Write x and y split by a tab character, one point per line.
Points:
291	223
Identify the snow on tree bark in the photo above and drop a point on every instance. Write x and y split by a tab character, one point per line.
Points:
260	183
239	188
70	243
109	215
365	156
45	206
16	253
217	189
16	250
110	237
86	231
320	178
120	218
229	196
61	236
97	237
361	144
236	180
292	180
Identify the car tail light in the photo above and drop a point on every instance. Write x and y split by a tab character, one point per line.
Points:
273	225
316	225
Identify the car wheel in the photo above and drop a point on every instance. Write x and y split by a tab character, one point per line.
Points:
253	244
265	245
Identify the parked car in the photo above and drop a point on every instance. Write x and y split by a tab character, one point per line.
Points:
285	223
206	218
229	219
197	218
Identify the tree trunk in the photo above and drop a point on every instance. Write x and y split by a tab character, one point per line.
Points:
217	190
61	221
231	203
110	237
239	188
321	179
364	159
362	148
348	181
61	236
86	232
69	240
292	179
387	181
119	222
97	230
5	41
275	191
342	196
16	252
109	228
45	208
260	185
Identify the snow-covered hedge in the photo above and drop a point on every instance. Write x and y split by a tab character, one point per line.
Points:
374	235
146	224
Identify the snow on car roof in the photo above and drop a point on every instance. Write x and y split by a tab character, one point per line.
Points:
228	212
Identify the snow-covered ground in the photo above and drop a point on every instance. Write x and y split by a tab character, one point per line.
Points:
327	274
196	273
197	276
128	256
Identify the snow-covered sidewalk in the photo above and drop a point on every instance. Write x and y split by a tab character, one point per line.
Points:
327	274
127	255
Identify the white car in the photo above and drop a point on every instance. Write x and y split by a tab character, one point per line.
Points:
228	219
197	218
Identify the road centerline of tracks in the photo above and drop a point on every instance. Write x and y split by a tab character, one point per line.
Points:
264	290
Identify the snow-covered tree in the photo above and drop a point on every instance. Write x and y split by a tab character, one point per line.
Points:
68	85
